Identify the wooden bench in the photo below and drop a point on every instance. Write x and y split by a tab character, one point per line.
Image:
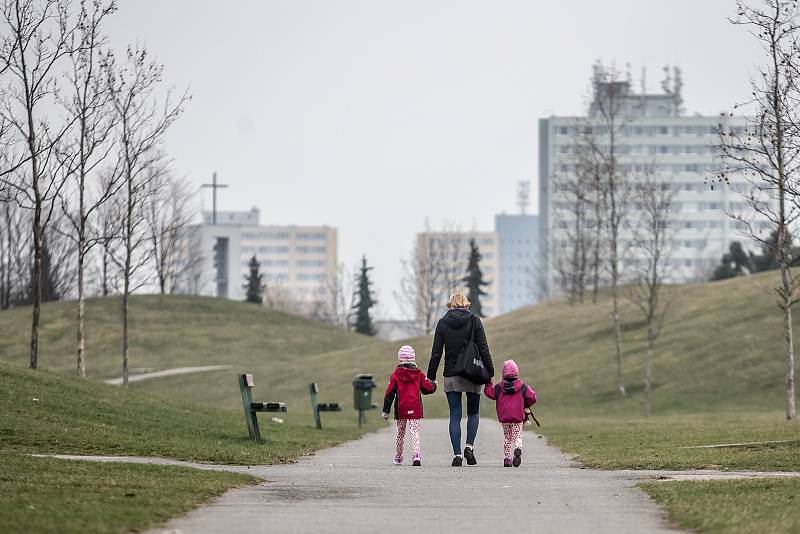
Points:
318	407
251	408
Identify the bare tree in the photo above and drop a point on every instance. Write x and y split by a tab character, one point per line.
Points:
422	285
15	257
142	124
87	145
767	152
169	213
651	255
189	275
573	192
37	39
610	111
107	222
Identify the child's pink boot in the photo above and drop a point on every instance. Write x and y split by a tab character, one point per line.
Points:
506	462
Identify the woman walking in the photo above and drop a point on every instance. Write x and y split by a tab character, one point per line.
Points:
452	332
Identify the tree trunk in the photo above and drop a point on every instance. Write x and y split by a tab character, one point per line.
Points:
648	367
615	314
105	270
596	262
617	337
81	311
125	334
788	343
36	283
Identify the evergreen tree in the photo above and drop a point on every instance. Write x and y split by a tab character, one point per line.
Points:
474	280
254	285
734	263
364	300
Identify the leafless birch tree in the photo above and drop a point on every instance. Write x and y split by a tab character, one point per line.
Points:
422	284
142	123
651	255
169	213
767	152
86	147
37	38
609	113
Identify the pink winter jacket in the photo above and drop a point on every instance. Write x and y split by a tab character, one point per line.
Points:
510	402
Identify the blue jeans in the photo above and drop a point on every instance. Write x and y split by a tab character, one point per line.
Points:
473	417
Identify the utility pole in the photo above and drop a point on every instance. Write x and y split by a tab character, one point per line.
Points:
214	186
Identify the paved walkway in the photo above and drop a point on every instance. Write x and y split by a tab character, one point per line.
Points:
355	488
167	372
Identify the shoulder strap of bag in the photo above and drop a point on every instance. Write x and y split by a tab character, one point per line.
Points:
523	389
497	391
472	334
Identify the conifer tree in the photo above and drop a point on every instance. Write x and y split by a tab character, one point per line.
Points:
364	300
474	280
254	285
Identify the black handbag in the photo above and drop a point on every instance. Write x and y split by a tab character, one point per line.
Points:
469	363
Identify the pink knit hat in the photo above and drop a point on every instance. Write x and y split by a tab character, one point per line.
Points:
510	368
406	354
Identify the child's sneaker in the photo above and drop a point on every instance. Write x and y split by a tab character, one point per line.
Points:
517	457
398	460
506	462
416	461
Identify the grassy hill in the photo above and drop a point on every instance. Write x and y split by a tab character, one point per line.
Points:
720	350
176	331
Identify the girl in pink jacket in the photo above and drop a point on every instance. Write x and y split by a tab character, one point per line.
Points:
512	396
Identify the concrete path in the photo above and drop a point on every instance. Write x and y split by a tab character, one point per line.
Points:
168	372
355	488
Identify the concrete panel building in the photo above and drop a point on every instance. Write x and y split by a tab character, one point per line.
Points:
296	260
518	245
682	152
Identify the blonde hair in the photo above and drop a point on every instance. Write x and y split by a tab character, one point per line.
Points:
457	300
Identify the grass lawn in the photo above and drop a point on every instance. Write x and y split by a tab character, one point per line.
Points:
50	495
736	507
44	412
661	442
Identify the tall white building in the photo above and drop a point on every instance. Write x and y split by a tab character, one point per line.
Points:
298	262
682	152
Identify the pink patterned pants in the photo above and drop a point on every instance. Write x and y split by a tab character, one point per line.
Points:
413	427
512	437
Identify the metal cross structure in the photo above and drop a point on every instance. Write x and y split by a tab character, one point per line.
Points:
214	186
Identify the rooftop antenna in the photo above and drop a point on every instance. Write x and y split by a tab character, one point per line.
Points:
644	79
214	186
523	195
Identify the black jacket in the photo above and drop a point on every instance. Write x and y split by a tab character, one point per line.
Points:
451	334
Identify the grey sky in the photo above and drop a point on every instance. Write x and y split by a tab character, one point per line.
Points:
373	115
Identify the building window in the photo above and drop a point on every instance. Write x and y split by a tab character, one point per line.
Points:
305	277
311	236
273	250
310	263
310	250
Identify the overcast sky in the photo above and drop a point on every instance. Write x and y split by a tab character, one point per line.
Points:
373	115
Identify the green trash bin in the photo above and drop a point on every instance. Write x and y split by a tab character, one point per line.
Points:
363	384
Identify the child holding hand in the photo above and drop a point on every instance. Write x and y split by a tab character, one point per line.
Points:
512	396
405	388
